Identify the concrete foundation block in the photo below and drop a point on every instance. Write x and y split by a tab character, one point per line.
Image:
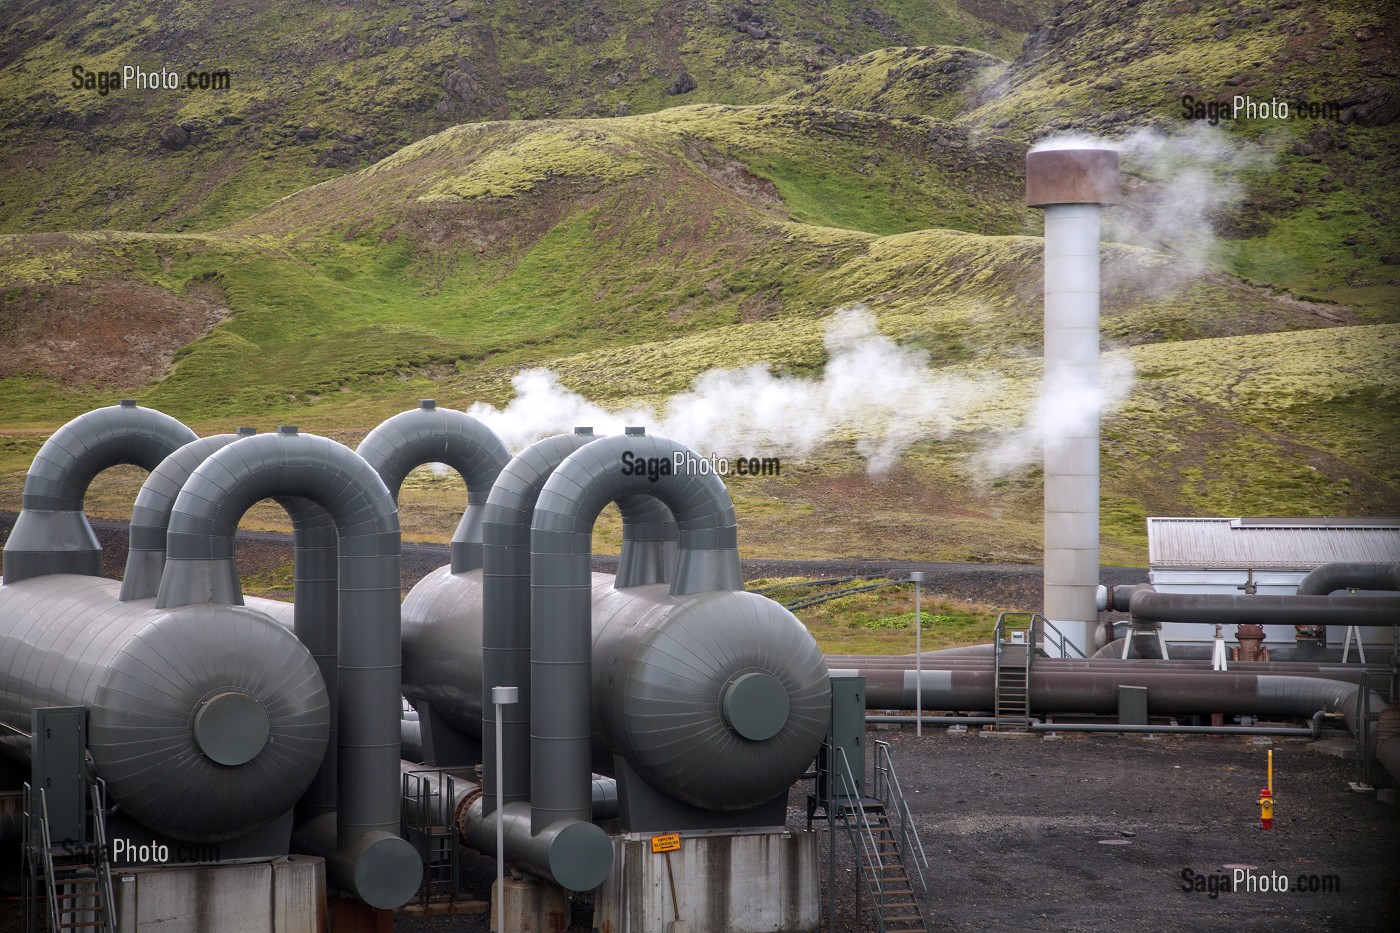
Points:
285	895
533	906
748	882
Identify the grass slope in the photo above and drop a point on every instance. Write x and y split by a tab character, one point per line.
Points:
630	254
318	90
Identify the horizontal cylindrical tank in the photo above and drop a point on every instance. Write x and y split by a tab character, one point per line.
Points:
718	699
206	722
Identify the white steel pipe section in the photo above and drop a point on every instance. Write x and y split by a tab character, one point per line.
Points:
1072	432
1072	185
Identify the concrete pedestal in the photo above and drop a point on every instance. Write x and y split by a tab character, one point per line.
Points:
283	895
533	906
749	882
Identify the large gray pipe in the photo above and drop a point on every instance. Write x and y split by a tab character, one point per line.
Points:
1343	575
561	545
150	516
207	722
1168	692
648	553
1148	605
51	533
505	606
1072	185
200	568
314	577
428	434
1088	691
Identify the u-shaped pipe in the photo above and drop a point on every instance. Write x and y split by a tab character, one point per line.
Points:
428	434
371	860
51	533
561	544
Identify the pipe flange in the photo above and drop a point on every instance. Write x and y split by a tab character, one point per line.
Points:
755	705
231	727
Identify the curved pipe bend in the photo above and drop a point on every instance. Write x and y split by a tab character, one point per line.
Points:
649	536
561	545
367	702
428	434
51	533
1345	575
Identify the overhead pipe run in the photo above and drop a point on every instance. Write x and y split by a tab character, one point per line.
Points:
201	568
428	434
1341	575
51	533
1147	605
1072	185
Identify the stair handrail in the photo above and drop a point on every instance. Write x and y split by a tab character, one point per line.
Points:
907	829
1061	640
31	863
49	883
97	790
876	885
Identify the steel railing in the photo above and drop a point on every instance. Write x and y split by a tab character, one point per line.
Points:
888	791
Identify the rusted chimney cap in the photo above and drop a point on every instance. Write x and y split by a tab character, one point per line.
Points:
1071	176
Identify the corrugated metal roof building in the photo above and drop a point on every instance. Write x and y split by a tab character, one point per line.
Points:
1221	555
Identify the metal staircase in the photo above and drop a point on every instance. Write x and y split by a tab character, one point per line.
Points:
882	836
69	882
1012	670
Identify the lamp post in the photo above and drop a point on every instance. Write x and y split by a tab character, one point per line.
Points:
918	577
501	696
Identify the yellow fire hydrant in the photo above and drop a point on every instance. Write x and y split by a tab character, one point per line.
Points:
1266	798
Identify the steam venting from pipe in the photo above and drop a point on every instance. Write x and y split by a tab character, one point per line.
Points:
1180	186
872	388
1184	183
1065	408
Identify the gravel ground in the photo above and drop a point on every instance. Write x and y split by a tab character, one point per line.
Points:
1015	830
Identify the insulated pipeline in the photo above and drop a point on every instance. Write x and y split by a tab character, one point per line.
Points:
51	533
200	568
561	584
428	434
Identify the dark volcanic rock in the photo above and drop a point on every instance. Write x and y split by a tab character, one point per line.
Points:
683	83
174	137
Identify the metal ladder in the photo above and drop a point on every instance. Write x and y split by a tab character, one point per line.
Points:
895	839
1012	671
425	818
75	878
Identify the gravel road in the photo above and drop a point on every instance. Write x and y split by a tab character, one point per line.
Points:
992	584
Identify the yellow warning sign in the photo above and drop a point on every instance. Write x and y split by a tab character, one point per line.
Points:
668	843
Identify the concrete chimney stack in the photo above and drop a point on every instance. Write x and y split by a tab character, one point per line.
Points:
1072	185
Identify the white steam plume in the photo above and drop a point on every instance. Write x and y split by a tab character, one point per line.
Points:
882	394
1065	409
1177	186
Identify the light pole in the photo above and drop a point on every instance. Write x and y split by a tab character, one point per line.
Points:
918	577
501	696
